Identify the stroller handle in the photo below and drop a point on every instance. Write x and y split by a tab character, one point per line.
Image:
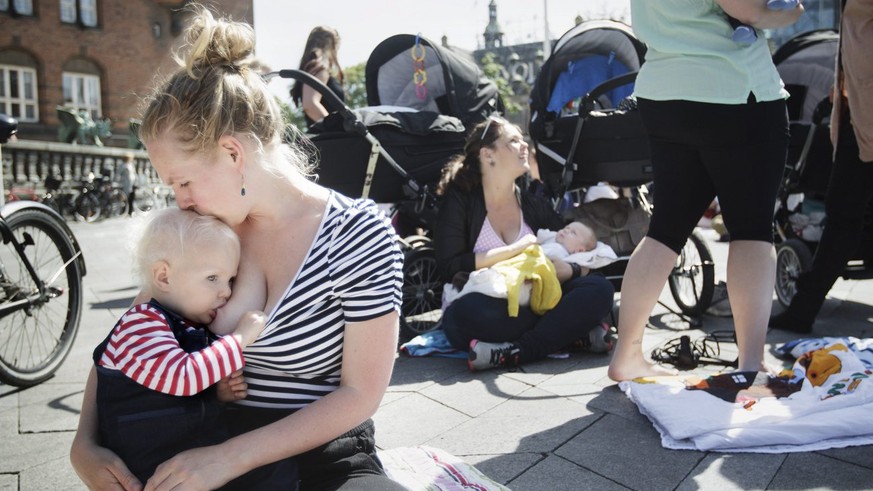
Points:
350	121
587	102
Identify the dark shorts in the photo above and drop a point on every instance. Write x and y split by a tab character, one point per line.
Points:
699	151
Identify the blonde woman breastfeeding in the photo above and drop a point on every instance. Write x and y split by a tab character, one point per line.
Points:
324	267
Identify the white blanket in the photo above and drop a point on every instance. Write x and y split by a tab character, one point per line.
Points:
837	413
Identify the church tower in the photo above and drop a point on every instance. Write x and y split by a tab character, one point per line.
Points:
493	34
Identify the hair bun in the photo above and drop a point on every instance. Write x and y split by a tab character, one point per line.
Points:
217	42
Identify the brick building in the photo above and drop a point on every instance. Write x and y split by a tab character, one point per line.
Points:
96	55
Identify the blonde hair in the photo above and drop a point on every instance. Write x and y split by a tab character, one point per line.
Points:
216	92
171	233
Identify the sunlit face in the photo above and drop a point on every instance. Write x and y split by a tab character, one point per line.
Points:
510	151
576	237
199	283
207	184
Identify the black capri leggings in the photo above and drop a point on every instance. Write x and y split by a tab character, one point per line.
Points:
701	150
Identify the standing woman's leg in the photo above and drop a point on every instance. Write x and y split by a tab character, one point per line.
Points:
747	169
683	191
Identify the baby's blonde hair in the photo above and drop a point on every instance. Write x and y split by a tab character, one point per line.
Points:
171	233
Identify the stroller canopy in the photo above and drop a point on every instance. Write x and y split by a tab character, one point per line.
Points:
584	57
806	65
454	86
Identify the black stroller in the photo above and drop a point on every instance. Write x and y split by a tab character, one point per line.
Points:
806	65
422	97
587	131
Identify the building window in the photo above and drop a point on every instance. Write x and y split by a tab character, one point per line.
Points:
82	92
79	11
19	7
18	93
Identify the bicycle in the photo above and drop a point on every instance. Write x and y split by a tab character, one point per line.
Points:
41	271
99	197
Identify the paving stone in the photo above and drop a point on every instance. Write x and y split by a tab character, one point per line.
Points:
8	482
813	471
474	394
862	455
414	420
51	476
733	471
50	407
533	421
22	452
630	454
503	468
557	474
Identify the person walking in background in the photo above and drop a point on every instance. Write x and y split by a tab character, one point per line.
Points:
319	60
715	114
126	176
850	190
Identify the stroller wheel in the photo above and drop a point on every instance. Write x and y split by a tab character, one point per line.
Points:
416	241
422	292
793	257
692	280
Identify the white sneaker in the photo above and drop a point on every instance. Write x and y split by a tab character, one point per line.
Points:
484	356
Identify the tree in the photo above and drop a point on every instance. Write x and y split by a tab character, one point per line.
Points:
355	86
491	69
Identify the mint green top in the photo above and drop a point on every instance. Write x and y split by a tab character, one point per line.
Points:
692	57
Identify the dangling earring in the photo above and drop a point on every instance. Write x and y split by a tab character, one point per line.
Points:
492	163
242	191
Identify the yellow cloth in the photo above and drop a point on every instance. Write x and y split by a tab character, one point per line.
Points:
531	265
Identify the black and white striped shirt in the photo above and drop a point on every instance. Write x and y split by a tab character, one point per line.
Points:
352	273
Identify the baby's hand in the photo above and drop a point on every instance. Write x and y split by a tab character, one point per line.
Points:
250	326
231	388
526	241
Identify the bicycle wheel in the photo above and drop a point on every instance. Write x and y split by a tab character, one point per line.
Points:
692	280
36	339
144	201
87	208
117	203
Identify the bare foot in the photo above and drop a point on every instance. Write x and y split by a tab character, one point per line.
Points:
636	369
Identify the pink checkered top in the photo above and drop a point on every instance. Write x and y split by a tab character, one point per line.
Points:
489	239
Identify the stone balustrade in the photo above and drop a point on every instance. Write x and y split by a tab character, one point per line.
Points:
28	162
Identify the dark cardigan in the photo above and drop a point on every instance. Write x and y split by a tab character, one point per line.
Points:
460	220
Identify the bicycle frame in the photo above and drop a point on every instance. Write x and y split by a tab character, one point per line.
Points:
13	206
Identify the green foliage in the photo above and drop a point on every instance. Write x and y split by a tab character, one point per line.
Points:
292	115
355	86
492	71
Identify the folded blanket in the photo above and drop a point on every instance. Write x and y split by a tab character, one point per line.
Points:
832	408
432	343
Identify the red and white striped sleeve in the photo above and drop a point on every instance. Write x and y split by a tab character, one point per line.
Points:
144	348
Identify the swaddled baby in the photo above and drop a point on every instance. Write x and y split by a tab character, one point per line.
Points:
574	238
